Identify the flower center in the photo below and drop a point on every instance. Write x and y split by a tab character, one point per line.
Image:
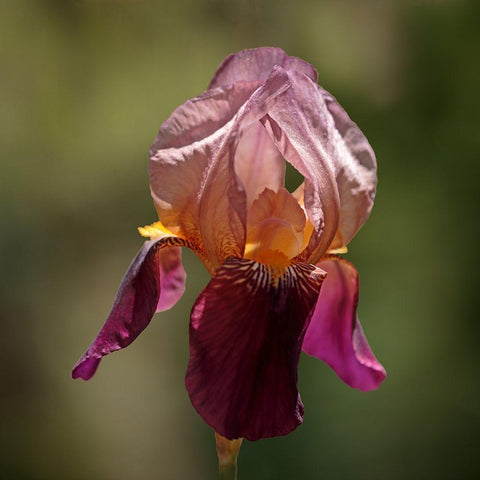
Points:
276	230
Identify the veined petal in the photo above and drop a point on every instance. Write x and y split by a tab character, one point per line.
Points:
154	282
303	131
355	171
182	150
335	334
246	333
223	207
258	163
257	64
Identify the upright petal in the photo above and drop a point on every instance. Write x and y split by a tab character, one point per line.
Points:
257	64
335	334
154	282
182	150
355	171
246	333
304	132
222	206
258	162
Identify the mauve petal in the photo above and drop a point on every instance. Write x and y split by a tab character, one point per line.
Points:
246	333
355	171
186	142
304	132
335	334
257	64
223	207
154	282
258	163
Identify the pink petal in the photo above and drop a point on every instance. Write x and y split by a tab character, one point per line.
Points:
246	333
335	334
304	132
258	163
154	282
182	150
256	65
355	171
223	207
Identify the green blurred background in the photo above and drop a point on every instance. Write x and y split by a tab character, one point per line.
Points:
85	86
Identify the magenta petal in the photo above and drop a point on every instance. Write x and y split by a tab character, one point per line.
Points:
246	333
256	65
335	334
154	282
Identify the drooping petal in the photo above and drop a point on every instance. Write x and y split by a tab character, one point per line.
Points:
246	332
304	132
256	64
223	207
335	334
355	171
258	163
182	150
154	282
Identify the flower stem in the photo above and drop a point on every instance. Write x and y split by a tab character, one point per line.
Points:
227	451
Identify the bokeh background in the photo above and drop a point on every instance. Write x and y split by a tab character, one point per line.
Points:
85	86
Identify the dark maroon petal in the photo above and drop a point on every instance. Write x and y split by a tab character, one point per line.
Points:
154	282
257	64
246	333
335	334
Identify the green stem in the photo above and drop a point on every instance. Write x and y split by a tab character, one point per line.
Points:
228	472
227	451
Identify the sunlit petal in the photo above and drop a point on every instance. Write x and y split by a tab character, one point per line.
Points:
258	163
182	150
303	131
355	171
257	64
223	208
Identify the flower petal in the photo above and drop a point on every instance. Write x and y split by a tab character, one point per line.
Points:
304	132
181	152
258	163
223	208
355	171
335	334
257	64
246	333
154	282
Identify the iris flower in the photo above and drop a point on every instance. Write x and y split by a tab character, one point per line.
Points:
217	178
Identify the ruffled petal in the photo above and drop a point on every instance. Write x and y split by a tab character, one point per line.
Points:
154	282
182	150
223	207
256	65
246	333
355	171
335	334
304	132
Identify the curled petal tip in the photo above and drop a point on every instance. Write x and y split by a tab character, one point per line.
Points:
153	282
335	334
85	368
